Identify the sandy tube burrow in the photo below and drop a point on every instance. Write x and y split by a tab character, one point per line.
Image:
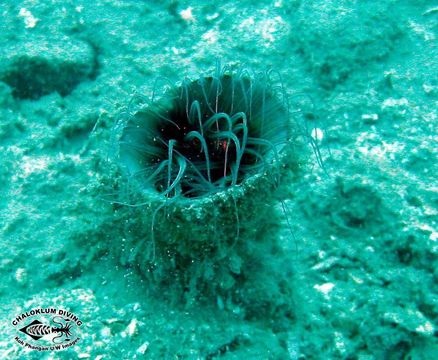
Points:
216	247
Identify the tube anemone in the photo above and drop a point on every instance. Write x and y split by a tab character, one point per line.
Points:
207	161
205	136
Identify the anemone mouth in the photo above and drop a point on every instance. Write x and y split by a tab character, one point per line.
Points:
206	135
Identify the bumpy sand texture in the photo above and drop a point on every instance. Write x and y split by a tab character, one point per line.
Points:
364	251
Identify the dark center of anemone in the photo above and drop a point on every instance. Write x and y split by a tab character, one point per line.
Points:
205	135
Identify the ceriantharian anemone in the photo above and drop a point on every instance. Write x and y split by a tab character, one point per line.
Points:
204	166
206	135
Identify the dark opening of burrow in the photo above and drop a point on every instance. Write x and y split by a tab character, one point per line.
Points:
32	77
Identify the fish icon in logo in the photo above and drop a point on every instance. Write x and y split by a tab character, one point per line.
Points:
36	329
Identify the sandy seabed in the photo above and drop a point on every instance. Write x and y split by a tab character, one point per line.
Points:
364	249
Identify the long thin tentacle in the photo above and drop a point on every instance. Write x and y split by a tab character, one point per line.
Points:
197	135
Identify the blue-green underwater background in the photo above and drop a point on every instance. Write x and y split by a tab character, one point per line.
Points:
365	238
